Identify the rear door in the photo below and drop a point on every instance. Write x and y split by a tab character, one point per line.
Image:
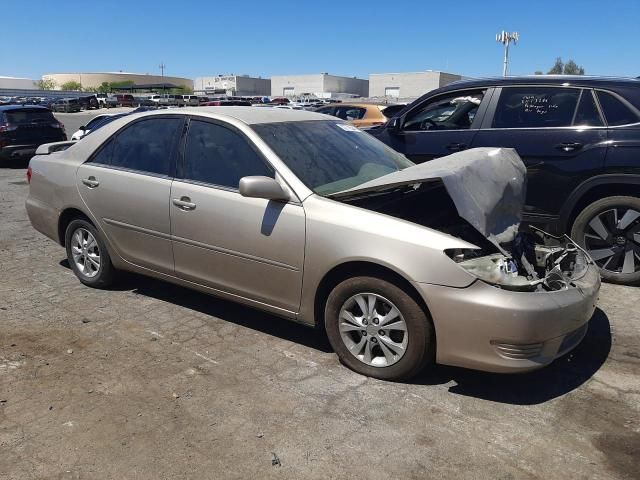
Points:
249	247
126	186
440	125
558	132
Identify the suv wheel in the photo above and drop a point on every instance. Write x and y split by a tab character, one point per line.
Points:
88	255
378	330
609	229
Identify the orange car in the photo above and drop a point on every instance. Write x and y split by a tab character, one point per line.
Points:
358	114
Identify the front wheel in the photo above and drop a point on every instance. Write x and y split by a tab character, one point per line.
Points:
88	255
377	329
609	230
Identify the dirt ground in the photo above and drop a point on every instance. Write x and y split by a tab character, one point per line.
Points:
153	381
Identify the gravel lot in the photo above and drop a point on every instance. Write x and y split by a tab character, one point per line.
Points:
150	381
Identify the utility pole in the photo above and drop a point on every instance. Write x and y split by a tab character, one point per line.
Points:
162	66
506	39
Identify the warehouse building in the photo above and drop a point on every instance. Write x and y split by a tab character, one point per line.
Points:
94	80
232	85
15	82
408	85
321	85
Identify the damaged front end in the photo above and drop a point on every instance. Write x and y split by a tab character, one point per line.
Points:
478	195
534	262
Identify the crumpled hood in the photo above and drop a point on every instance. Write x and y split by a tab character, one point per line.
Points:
487	186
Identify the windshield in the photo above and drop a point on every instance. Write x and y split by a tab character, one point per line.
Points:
328	156
21	117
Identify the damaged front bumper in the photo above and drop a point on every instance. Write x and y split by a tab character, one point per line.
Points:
520	326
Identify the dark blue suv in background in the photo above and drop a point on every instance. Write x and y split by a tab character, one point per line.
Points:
578	136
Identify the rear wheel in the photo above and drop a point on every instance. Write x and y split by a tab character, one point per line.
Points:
378	330
88	255
609	229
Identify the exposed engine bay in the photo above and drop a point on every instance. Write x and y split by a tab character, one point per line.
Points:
533	261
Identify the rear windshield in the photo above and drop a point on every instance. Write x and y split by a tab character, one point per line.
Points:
18	117
328	156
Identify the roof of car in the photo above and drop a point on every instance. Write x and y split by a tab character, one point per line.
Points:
567	80
248	115
4	108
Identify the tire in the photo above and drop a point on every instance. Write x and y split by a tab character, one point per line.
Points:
606	230
103	275
418	336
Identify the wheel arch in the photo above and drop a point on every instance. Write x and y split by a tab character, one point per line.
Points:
66	217
595	189
359	268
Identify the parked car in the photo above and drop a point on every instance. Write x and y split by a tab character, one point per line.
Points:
170	100
227	103
102	99
579	137
24	127
190	100
88	102
66	105
280	101
400	263
125	100
85	129
357	114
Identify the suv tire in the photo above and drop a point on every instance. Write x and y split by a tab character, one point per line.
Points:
609	229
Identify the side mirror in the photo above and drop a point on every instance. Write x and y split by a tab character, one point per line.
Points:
262	187
82	127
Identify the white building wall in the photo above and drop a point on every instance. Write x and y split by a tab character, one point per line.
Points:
321	85
233	85
22	83
408	85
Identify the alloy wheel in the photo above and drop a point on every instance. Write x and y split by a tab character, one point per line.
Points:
612	239
85	252
373	329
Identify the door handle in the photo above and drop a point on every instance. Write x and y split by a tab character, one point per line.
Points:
569	147
456	147
184	203
91	182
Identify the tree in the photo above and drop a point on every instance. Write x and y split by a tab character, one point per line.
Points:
538	72
71	85
46	84
561	68
557	68
572	68
104	87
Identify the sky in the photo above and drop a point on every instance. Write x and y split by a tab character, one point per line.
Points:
347	37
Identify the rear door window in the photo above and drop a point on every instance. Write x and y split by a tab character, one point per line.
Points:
587	114
147	146
350	113
615	110
21	117
217	155
536	107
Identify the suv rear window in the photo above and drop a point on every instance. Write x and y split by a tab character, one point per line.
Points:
615	111
20	117
535	107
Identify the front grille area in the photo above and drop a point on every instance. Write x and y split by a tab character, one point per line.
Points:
518	351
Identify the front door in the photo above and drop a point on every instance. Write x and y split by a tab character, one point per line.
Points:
440	126
249	247
126	186
559	134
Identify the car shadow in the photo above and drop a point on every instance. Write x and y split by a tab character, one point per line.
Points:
561	377
227	311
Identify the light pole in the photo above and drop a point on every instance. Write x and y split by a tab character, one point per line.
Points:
506	38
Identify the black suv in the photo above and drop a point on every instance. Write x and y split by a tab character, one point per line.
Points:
25	127
578	136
